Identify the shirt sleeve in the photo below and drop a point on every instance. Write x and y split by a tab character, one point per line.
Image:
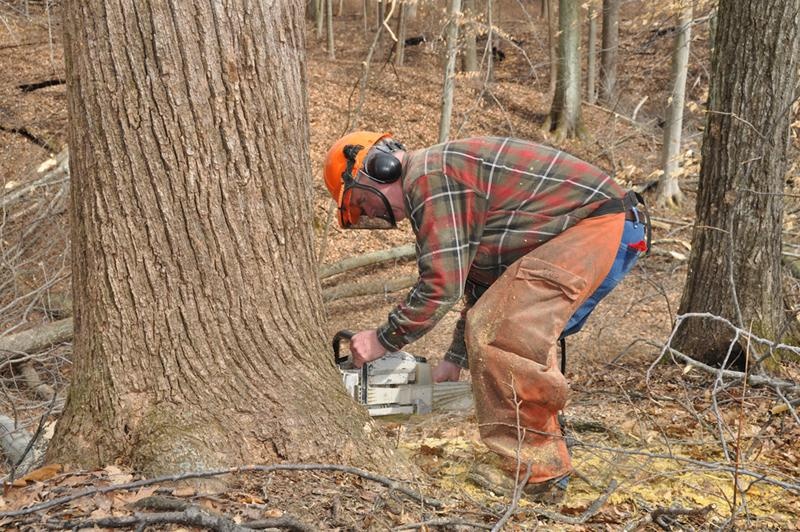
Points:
447	218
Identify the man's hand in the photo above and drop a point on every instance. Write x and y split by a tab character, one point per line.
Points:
446	371
365	347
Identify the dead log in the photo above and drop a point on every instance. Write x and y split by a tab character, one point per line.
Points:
34	382
30	87
352	263
57	170
38	338
13	440
370	288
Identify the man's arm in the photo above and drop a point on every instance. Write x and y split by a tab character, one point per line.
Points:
447	218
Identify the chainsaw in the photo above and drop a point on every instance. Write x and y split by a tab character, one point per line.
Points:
398	383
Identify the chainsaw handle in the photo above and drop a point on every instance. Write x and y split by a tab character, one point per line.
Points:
344	334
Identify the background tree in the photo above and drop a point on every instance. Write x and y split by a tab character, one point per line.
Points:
453	20
608	52
470	45
735	268
669	191
198	317
591	54
565	114
329	18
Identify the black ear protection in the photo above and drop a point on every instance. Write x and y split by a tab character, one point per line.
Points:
380	165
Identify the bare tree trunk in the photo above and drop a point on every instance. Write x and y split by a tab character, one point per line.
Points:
552	45
565	114
735	269
608	52
669	191
320	14
470	46
453	16
366	17
198	315
381	13
402	24
591	67
543	9
489	40
331	43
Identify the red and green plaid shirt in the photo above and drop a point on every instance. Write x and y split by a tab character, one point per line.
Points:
476	206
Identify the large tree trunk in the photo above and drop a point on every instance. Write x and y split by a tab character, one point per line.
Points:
565	114
608	52
453	16
198	316
735	269
669	191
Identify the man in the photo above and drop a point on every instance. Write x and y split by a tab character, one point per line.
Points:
532	238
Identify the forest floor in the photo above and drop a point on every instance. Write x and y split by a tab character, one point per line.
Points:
658	444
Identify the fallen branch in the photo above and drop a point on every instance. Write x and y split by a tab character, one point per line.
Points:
752	380
30	87
443	523
369	288
13	440
38	338
711	466
342	266
659	513
57	174
388	482
30	136
34	382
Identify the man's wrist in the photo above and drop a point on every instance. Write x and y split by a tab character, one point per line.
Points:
390	338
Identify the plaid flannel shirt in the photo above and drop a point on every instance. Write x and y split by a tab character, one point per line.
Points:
476	206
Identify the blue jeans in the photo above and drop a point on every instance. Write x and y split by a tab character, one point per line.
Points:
632	233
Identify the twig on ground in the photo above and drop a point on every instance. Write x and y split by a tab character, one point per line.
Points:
519	483
386	481
659	514
191	516
443	522
712	466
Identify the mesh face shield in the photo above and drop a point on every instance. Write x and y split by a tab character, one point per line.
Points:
366	206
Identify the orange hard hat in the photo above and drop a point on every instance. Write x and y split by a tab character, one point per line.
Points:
336	169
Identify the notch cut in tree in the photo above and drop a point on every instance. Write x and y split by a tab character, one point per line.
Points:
199	338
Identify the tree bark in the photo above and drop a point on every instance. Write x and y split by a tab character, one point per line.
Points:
734	268
454	17
669	191
565	114
608	52
198	315
591	66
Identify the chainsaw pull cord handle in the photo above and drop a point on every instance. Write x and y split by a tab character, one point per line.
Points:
337	340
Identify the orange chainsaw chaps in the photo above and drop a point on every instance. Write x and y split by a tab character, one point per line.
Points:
512	335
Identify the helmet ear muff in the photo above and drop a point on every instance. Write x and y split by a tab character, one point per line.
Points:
382	167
